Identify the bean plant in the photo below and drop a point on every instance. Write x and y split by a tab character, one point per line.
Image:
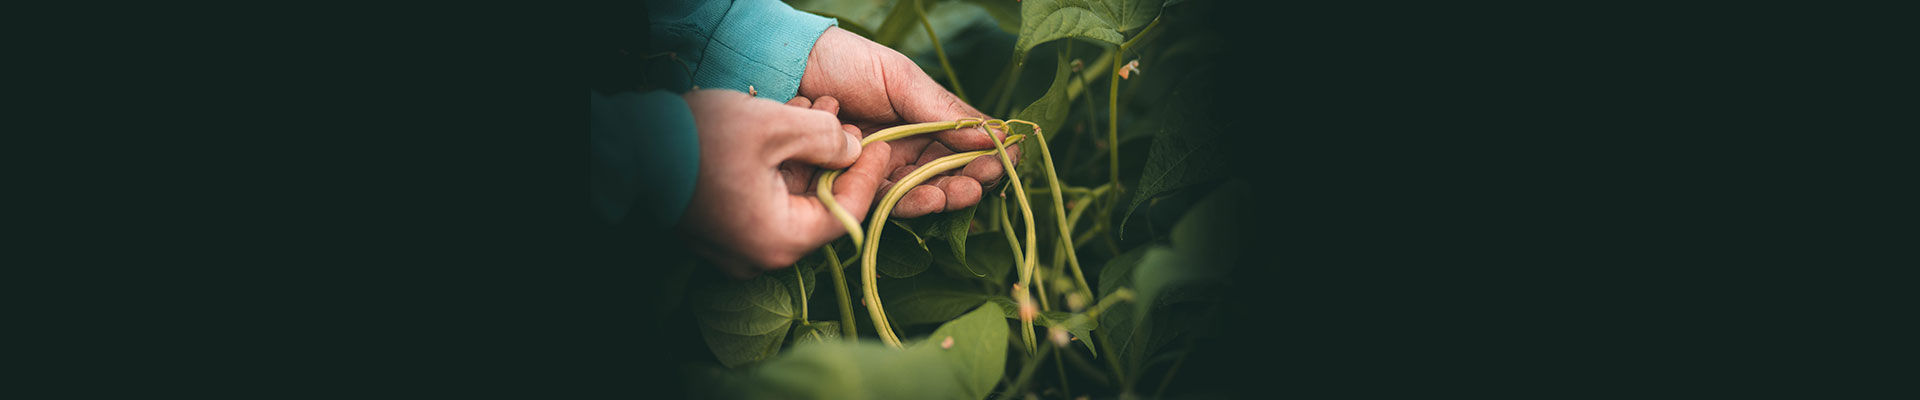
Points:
1091	269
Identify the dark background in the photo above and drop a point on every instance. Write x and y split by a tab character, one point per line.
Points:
1501	200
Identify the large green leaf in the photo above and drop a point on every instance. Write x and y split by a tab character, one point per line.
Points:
1184	153
987	254
926	305
929	368
1044	21
744	321
903	253
1049	111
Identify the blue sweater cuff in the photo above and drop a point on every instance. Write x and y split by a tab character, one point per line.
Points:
763	44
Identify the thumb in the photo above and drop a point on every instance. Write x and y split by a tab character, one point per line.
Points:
813	137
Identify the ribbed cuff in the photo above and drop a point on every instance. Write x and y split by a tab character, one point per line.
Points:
763	44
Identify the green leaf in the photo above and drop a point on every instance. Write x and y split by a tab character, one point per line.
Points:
1049	111
952	226
930	305
902	252
1184	153
816	331
1077	324
979	350
744	321
807	270
968	369
1044	21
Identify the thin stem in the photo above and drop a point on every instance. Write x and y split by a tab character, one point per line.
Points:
1113	123
1087	369
937	50
1075	88
1168	380
1137	36
1060	210
1061	367
803	294
1113	358
1026	372
840	288
1001	109
1012	242
1026	211
1088	236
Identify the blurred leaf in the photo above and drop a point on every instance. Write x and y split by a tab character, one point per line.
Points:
1118	324
901	20
1205	244
1005	13
968	369
744	321
902	252
1205	248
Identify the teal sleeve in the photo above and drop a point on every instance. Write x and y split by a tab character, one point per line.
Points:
737	44
645	156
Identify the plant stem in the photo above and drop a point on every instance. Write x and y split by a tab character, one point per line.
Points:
1113	358
1061	367
1026	211
937	50
1026	372
1012	242
803	294
1001	109
1060	210
840	288
1075	88
1113	123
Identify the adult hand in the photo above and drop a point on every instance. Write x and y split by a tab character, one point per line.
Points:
753	206
879	88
